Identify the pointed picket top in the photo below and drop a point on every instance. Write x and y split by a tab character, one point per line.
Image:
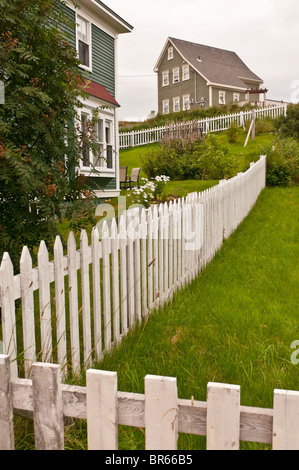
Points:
95	236
58	243
43	254
83	237
71	242
6	264
122	227
25	260
143	225
114	230
105	230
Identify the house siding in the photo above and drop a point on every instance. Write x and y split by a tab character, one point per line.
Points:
103	52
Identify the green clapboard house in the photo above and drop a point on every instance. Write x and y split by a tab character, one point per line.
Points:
93	31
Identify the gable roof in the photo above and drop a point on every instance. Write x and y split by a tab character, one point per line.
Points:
99	91
216	66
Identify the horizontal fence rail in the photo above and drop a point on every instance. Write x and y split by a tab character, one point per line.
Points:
80	305
214	124
221	418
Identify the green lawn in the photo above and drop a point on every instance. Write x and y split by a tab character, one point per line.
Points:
234	324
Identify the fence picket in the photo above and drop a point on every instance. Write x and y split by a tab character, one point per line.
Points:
106	243
161	413
286	420
223	417
73	302
44	303
47	406
150	259
123	275
102	425
96	284
29	344
60	301
115	280
8	312
144	262
85	290
7	440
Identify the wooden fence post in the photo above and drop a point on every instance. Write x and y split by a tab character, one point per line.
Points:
286	420
223	417
102	425
47	407
161	413
6	406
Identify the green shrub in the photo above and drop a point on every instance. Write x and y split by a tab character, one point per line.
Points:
289	125
200	161
283	163
233	132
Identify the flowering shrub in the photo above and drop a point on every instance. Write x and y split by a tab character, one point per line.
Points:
150	190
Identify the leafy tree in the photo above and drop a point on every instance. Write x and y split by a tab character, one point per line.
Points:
39	148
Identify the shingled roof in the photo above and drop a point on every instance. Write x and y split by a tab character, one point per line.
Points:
217	66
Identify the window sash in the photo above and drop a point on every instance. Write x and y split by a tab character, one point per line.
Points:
83	41
176	104
185	72
165	105
165	78
176	75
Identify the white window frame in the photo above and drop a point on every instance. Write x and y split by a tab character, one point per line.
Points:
186	99
165	75
101	167
221	99
170	53
185	72
176	71
89	41
236	97
176	103
164	104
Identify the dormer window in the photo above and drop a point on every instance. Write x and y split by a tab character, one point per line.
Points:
170	53
84	42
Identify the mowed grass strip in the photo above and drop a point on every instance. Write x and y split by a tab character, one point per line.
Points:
235	323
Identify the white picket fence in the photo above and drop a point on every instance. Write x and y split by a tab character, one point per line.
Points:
221	418
77	307
214	124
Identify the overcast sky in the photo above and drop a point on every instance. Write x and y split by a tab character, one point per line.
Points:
264	33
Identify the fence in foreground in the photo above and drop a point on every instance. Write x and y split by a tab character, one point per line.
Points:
79	306
159	411
214	124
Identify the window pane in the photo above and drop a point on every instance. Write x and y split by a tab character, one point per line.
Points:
84	53
82	30
109	156
85	148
